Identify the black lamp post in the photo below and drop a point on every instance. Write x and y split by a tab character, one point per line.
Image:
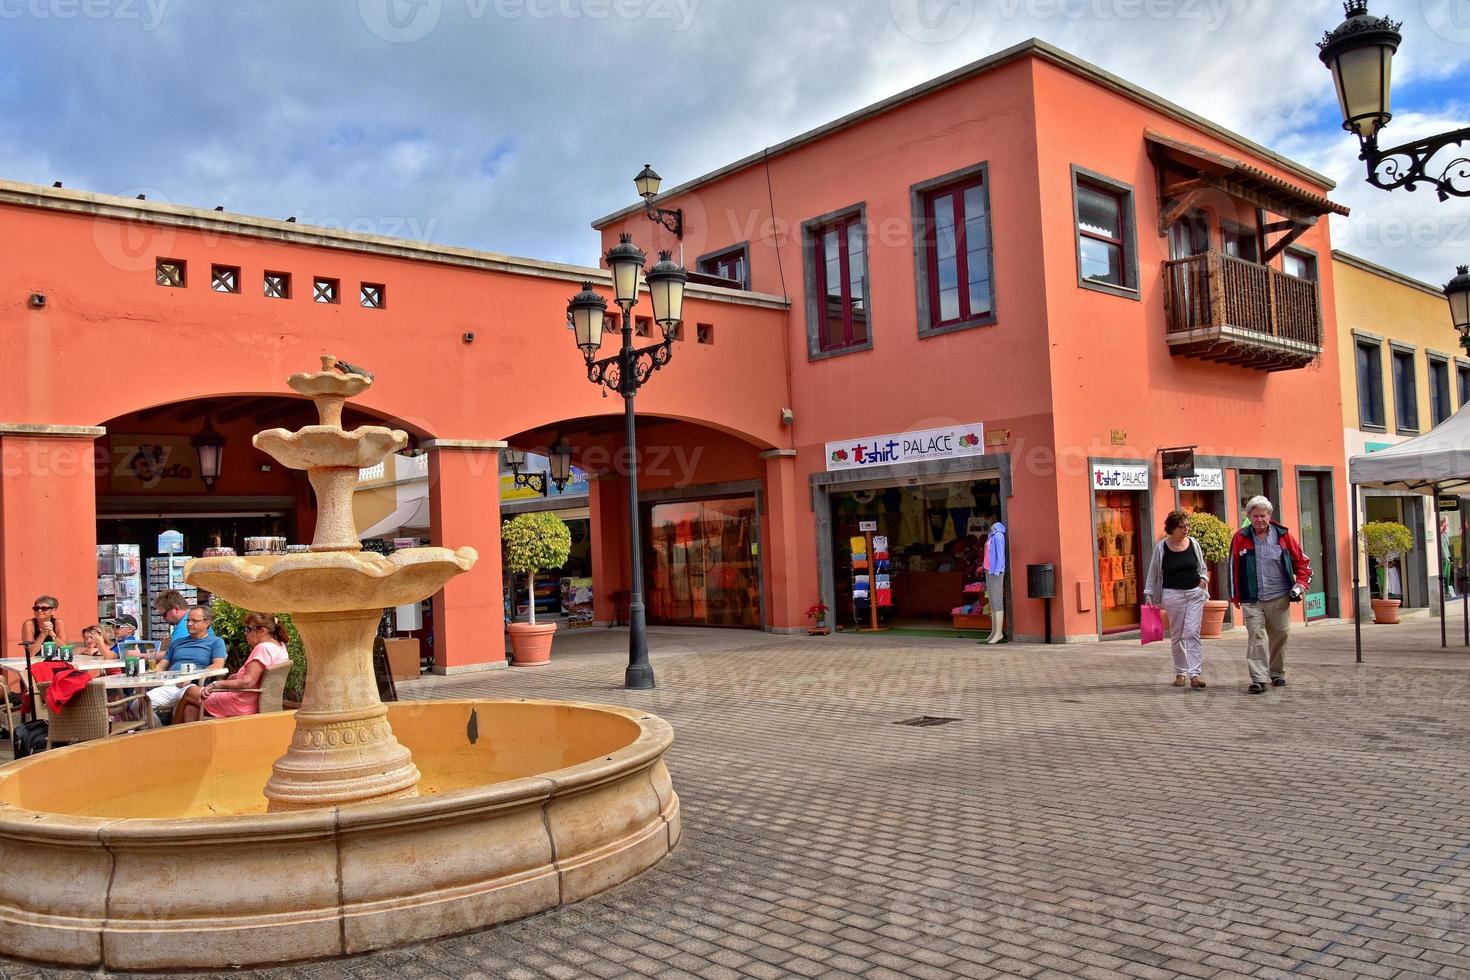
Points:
209	446
1359	54
1457	292
625	372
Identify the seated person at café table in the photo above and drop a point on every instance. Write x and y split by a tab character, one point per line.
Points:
236	694
125	630
201	650
98	642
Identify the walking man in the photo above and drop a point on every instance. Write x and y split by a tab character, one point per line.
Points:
1268	573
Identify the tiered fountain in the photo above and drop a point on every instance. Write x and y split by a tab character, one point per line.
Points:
377	825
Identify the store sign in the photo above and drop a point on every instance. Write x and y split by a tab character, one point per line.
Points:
919	446
1120	476
509	491
155	464
1316	605
171	543
1203	480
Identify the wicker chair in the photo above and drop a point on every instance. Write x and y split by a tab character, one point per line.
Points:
87	717
272	689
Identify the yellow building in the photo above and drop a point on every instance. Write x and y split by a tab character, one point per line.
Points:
1402	374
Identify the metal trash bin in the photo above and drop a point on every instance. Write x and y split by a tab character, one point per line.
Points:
1041	581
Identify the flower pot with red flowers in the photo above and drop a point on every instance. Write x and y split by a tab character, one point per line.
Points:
530	543
817	613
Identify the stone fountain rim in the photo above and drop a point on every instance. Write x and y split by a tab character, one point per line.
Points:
264	568
654	738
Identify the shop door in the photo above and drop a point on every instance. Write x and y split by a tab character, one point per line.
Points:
1116	519
702	559
1314	534
1207	502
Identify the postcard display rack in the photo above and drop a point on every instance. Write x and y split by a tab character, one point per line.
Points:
872	584
164	573
119	582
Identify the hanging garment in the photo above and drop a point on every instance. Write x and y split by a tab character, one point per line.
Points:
880	543
857	544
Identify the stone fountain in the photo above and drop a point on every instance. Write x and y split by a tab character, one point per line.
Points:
345	826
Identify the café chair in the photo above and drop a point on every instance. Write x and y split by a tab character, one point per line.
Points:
87	716
272	689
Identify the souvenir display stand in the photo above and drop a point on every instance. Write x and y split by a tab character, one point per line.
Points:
119	591
872	584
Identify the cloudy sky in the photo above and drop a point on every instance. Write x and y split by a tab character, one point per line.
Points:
510	124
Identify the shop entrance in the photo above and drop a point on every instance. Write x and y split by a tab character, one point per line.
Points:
1315	536
703	563
1406	577
935	533
1117	519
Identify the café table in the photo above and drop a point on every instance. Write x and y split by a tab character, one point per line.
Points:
159	678
22	667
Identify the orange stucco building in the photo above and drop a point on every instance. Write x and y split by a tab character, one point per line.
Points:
995	296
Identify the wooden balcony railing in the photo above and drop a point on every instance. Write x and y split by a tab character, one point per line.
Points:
1222	308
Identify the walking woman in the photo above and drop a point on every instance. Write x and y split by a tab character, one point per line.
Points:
1177	573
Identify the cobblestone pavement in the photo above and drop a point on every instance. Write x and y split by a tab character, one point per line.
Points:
1081	818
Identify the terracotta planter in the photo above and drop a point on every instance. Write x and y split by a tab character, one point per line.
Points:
531	643
1385	610
1213	621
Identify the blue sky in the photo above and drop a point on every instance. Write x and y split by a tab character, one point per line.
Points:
510	124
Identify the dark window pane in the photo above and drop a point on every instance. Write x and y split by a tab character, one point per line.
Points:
1098	213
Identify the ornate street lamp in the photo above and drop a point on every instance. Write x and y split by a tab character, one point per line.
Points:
1457	292
209	446
515	459
1359	53
624	373
561	466
648	182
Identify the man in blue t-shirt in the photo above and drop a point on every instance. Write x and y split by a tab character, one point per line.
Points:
173	607
201	649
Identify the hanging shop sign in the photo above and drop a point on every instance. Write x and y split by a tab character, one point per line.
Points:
1120	476
1203	479
919	446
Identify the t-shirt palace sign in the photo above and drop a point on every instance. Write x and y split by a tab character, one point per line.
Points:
907	447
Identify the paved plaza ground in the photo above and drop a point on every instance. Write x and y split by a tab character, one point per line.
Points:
1081	818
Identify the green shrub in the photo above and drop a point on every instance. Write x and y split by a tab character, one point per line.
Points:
532	542
229	626
1386	539
1212	534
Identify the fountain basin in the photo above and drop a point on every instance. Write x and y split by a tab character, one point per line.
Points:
155	851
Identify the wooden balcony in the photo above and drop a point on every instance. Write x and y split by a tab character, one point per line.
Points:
1221	308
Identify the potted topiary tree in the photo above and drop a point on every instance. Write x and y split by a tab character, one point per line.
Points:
530	543
1385	541
1214	537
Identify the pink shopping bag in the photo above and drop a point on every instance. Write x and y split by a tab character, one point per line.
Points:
1151	624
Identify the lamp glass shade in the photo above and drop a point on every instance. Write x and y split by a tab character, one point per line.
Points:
209	446
561	465
586	313
1363	78
515	459
666	282
647	182
625	260
1458	295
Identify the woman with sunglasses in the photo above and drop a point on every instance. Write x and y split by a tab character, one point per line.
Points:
235	695
44	626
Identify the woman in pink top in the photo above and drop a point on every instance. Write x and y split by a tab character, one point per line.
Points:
233	695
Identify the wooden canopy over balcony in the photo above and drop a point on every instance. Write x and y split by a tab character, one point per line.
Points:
1221	308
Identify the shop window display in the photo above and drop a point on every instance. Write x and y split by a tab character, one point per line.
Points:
703	564
935	536
1116	520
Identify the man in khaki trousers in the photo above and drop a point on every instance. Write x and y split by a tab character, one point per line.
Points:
1269	572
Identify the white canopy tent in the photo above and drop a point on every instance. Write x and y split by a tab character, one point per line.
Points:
411	515
1437	461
